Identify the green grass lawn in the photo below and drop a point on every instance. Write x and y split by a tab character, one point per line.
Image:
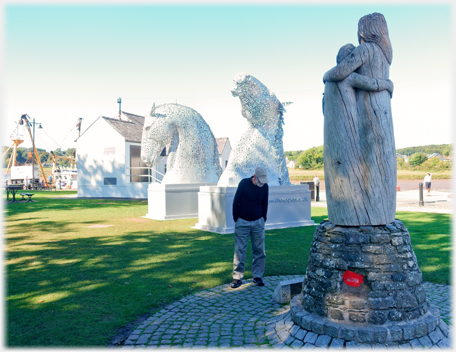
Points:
70	284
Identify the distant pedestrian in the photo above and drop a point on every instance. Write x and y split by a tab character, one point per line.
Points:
250	206
316	181
427	182
71	183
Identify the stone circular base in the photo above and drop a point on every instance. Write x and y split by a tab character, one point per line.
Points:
365	333
363	284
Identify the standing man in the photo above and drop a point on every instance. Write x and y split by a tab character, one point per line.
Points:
250	206
427	182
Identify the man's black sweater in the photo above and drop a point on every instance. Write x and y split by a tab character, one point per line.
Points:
250	201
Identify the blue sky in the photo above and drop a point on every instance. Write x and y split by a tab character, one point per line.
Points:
63	62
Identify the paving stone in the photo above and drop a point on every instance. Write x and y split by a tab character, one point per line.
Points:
311	337
294	330
323	341
405	346
318	326
237	342
301	334
352	345
392	346
278	345
425	341
416	344
309	346
283	335
444	328
250	340
436	336
337	344
445	343
332	329
366	334
297	344
202	317
289	340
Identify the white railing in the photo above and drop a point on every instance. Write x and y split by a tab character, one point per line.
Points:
152	174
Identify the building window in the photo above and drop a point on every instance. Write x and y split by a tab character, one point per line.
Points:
226	163
110	181
137	167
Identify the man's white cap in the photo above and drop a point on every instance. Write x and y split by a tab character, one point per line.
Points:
262	175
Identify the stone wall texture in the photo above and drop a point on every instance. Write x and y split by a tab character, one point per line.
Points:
389	303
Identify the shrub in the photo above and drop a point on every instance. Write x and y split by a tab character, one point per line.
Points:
311	159
417	159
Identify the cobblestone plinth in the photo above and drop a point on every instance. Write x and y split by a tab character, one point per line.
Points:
248	317
364	274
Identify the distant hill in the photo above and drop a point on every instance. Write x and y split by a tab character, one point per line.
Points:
443	149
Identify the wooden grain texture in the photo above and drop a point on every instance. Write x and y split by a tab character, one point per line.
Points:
359	151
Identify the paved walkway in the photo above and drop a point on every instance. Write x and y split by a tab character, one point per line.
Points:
437	202
248	317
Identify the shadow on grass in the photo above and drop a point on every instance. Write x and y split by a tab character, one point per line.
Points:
91	286
96	282
48	203
78	289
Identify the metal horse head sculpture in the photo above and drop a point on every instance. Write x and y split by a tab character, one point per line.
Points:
261	144
193	154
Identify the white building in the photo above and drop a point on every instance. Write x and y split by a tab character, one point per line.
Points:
224	149
290	163
109	159
405	157
106	153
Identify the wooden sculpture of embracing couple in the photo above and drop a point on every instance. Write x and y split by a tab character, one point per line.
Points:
359	148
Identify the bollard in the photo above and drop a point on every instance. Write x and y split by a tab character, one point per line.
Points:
421	194
317	199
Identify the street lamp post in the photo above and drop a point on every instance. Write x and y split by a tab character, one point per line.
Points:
33	159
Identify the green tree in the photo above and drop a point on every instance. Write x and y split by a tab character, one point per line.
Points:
448	151
311	158
417	159
426	149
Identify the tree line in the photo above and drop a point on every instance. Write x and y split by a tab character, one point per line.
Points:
442	149
312	158
24	156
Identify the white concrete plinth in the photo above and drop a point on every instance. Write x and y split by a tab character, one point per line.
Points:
289	206
173	201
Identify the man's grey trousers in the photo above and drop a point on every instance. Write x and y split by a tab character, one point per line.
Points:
242	231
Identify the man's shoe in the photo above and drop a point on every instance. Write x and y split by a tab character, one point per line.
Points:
258	281
236	283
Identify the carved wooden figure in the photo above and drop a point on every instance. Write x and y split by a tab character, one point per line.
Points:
360	153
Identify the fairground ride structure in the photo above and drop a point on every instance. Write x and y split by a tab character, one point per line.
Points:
17	138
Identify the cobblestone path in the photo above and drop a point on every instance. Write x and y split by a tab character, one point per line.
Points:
248	317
